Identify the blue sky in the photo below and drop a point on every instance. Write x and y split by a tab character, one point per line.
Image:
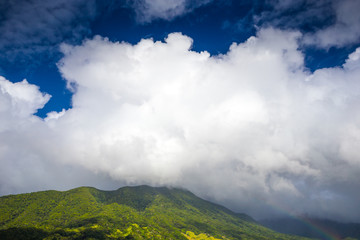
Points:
252	104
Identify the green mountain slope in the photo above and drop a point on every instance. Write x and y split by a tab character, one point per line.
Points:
128	213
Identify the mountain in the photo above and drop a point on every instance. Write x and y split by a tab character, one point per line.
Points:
141	212
314	228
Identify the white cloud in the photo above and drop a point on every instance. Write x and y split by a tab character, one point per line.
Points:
29	154
54	115
249	128
149	10
21	99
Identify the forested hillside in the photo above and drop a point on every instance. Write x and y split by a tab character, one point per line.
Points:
128	213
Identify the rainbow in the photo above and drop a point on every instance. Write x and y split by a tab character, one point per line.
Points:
325	233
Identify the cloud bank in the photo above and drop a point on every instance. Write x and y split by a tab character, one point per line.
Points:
252	129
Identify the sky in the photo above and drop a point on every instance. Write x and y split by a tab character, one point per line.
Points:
250	104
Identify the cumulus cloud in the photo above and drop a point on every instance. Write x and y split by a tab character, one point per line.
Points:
251	128
19	101
28	151
149	10
23	97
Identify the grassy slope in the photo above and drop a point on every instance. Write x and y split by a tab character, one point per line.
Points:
128	213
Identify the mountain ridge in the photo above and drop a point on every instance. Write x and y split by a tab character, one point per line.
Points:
138	212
